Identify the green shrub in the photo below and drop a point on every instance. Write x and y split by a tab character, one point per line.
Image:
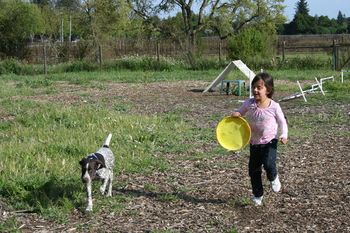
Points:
2	69
251	43
257	63
305	62
11	66
203	63
144	63
296	62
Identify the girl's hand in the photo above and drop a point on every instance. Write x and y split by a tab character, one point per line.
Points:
283	140
236	114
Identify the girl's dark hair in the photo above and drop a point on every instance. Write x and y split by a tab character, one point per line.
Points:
268	80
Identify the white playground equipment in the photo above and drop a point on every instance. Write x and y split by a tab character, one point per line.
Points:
342	74
314	87
241	66
318	86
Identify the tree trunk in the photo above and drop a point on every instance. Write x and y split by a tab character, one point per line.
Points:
191	50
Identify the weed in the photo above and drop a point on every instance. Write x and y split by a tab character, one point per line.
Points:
168	197
242	201
163	231
233	230
151	187
38	83
121	108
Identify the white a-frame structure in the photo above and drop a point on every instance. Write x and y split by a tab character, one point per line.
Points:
241	66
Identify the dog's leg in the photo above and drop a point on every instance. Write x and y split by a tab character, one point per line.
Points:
103	186
110	178
89	196
104	173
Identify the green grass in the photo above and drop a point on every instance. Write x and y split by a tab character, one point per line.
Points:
42	142
123	76
241	202
299	61
307	75
323	122
41	147
10	225
168	198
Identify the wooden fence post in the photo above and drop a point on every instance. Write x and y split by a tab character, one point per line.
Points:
124	45
100	55
283	50
68	52
220	50
45	59
174	49
158	50
334	56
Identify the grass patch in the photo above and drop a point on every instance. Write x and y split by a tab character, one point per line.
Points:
151	187
309	74
9	225
307	123
243	201
41	147
233	230
168	197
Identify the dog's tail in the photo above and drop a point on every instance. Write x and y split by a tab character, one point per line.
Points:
107	141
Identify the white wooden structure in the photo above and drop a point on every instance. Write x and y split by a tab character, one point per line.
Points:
342	74
314	87
241	66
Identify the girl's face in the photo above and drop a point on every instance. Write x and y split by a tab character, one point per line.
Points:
259	90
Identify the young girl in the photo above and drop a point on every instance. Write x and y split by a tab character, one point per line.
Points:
265	116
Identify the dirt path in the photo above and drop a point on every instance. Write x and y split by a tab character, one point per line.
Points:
314	173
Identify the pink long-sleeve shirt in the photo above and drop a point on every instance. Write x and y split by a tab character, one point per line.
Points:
264	122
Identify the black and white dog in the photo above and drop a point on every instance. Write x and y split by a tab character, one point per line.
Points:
98	165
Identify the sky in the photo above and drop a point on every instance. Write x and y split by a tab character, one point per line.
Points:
328	8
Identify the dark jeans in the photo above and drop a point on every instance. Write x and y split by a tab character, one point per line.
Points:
262	155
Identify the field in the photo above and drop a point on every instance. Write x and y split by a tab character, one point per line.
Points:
171	175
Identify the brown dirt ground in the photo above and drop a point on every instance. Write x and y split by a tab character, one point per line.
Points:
314	174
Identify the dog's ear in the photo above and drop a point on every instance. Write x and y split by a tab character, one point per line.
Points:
82	162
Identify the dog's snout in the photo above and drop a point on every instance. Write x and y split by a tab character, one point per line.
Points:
86	178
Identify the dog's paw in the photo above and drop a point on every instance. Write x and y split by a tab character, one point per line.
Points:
102	190
88	209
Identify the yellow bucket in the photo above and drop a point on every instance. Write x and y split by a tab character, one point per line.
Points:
233	133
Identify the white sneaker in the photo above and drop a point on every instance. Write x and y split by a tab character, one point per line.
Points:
276	185
257	200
